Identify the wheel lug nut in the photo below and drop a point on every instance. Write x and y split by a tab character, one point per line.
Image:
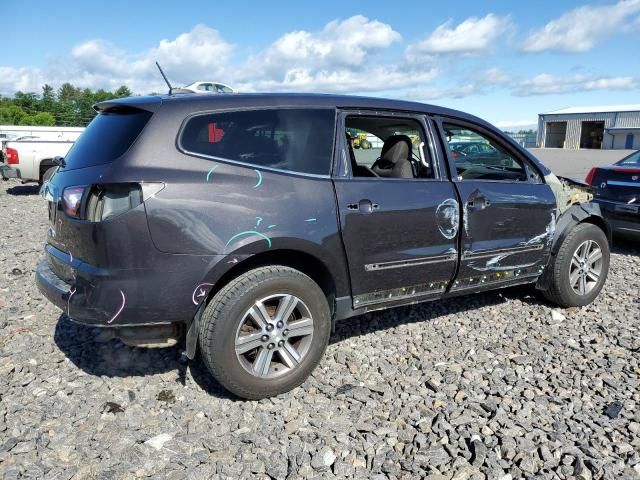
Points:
264	338
281	343
269	327
285	332
271	346
280	324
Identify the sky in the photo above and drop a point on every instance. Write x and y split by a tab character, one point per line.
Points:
504	61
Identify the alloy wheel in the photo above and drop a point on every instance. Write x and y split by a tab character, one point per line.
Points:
274	336
586	267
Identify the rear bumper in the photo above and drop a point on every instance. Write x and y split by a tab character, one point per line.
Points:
8	172
623	218
132	297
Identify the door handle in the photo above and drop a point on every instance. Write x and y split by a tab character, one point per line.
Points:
363	206
478	202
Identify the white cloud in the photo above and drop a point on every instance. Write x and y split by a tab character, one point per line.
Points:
494	76
474	35
545	84
579	30
336	59
343	80
198	54
340	43
24	79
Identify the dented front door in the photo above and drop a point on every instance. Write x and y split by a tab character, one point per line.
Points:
508	211
506	232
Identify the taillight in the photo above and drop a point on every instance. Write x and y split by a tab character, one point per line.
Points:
590	175
72	200
12	156
101	202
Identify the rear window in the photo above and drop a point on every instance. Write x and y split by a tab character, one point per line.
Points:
288	139
106	138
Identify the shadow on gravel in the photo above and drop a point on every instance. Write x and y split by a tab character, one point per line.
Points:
24	190
92	350
428	311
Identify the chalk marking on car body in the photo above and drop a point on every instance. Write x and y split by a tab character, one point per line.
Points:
259	178
71	294
211	171
124	301
200	294
250	232
448	210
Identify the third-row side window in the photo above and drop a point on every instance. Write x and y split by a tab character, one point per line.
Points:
288	139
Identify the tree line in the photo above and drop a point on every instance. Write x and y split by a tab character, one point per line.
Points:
69	106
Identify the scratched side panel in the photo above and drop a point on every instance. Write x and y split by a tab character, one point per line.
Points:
238	211
513	232
409	239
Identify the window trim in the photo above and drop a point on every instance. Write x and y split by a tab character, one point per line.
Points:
343	163
491	135
185	121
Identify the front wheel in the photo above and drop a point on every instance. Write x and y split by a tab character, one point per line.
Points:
580	268
265	332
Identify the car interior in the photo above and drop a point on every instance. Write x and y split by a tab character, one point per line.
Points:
479	158
387	148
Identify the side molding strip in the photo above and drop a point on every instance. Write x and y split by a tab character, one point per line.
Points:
411	263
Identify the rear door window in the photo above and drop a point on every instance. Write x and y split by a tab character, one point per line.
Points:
106	138
297	140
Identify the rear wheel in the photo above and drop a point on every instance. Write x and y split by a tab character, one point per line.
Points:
46	172
580	268
265	332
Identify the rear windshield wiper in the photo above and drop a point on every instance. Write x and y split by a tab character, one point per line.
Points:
59	161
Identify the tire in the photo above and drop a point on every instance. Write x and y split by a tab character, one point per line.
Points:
228	320
561	291
46	172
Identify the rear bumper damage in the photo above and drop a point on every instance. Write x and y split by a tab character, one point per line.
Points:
126	297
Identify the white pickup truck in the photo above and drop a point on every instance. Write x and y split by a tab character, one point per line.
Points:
29	160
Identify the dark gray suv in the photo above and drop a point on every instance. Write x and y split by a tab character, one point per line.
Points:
248	224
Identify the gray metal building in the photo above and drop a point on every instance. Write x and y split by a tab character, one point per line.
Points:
607	127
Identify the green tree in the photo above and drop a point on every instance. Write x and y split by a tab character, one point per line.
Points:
11	115
43	119
70	106
67	92
48	99
122	92
27	101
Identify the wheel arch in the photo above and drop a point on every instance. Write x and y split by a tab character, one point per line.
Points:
574	215
300	260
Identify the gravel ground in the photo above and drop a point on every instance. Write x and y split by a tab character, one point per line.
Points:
489	386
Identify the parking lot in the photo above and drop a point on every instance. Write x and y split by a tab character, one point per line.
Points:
499	385
576	163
